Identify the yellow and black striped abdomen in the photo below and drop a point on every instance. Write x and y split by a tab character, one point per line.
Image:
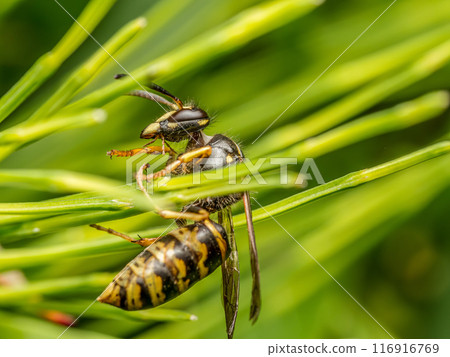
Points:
169	267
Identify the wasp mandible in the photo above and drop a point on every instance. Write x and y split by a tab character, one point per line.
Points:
186	122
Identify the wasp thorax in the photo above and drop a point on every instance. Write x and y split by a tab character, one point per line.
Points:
177	125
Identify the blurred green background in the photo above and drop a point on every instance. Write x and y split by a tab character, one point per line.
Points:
386	242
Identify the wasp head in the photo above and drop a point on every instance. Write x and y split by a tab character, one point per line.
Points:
177	125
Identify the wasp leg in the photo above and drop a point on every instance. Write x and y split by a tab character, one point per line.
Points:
156	150
185	158
193	213
144	242
139	179
181	222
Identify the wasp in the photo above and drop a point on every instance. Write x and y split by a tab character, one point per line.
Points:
171	264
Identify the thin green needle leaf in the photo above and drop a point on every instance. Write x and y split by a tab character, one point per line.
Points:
14	325
81	77
402	116
353	104
341	79
348	181
21	134
75	83
67	181
79	197
20	295
90	283
62	206
396	118
47	225
28	257
246	26
336	245
49	63
224	187
160	14
399	117
104	311
385	206
55	180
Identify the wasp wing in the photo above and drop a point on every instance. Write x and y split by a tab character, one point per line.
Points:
230	273
255	306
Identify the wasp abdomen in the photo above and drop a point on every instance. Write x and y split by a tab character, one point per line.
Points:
168	267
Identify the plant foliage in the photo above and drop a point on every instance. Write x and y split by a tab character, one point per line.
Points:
375	122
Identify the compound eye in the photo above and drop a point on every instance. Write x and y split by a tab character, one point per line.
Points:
188	114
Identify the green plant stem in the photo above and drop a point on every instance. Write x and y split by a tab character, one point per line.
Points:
75	307
62	206
219	177
75	83
241	29
56	180
19	326
341	79
26	257
348	181
160	14
224	188
399	117
49	63
381	206
87	196
55	286
47	225
339	243
67	181
353	104
35	222
396	118
104	311
30	257
81	77
21	134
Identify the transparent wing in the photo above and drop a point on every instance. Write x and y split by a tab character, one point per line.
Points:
230	273
255	306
